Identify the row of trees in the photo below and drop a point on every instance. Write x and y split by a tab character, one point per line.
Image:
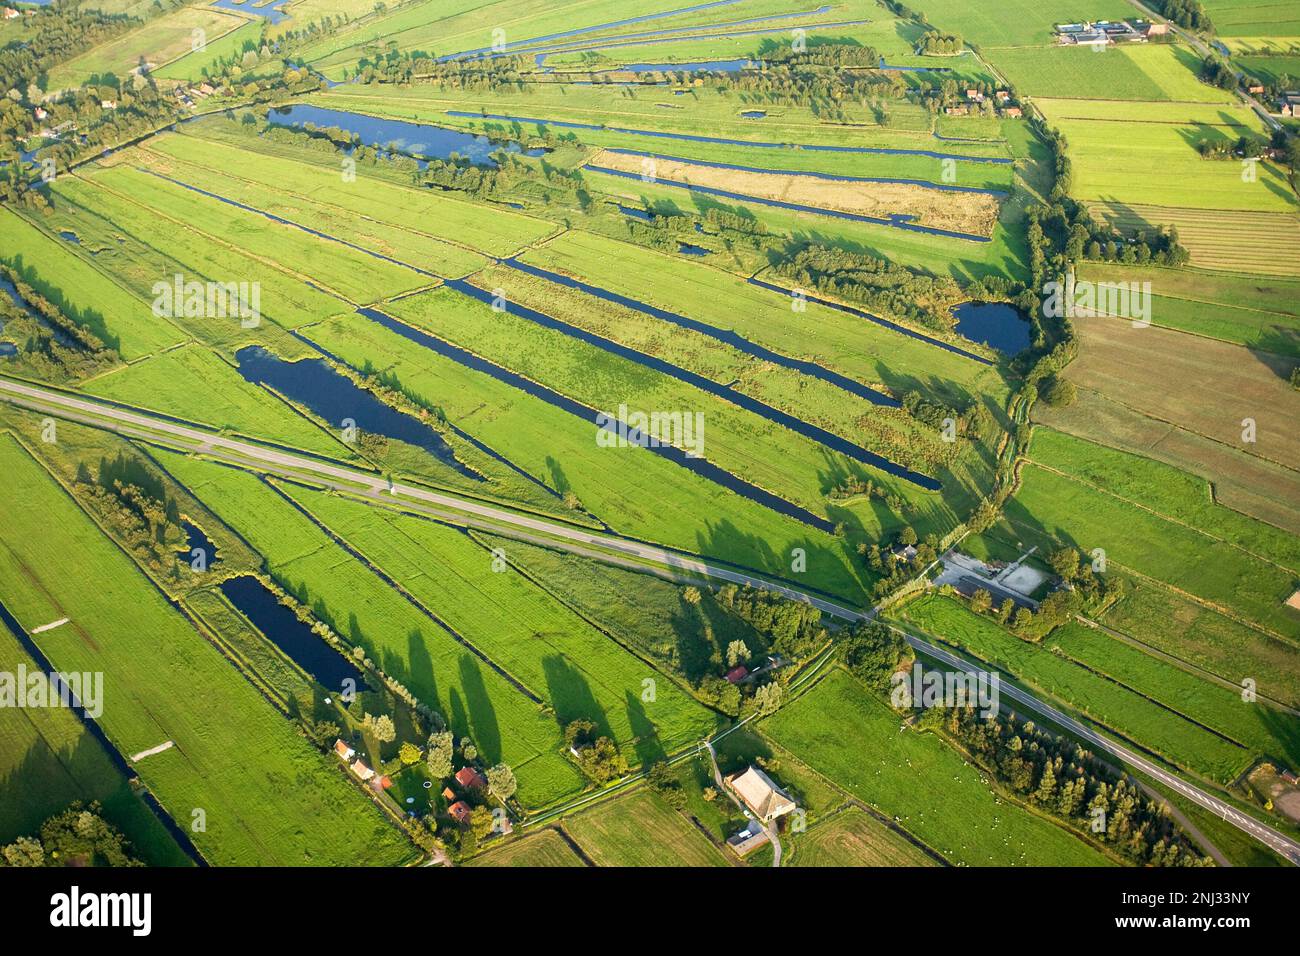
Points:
1061	778
938	43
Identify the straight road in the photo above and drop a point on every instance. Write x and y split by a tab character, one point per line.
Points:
218	446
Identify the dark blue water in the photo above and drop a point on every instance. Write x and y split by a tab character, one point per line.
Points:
635	213
311	382
413	139
196	539
687	137
763	410
687	249
699	466
70	236
895	221
995	324
727	336
271	14
282	628
942	187
910	333
595	28
8	350
9	289
754	114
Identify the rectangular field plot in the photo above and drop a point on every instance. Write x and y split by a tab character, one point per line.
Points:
191	382
546	848
1163	729
48	760
913	777
641	830
558	656
1131	72
366	609
314	178
1115	145
633	490
85	294
1053	508
855	838
268	796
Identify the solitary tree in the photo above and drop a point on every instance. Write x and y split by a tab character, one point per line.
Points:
438	758
501	782
737	651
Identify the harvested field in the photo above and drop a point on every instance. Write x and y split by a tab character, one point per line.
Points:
970	213
1167	375
1265	243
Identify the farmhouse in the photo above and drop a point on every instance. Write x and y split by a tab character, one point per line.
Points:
459	811
345	752
737	674
1289	104
470	779
11	13
361	770
1012	111
760	794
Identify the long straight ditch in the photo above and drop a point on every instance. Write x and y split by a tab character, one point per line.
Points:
797	425
699	466
725	336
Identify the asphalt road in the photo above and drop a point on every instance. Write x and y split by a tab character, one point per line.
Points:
218	446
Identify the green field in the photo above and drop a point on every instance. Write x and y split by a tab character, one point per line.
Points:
1204	638
633	490
48	760
917	780
400	636
1131	72
855	838
545	848
1163	729
300	177
164	681
744	443
1268	731
1259	313
1052	509
1245	18
641	830
578	671
1114	145
54	269
191	382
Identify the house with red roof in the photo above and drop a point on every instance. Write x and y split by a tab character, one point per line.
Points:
459	811
471	779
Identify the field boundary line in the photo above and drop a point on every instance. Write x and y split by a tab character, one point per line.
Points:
1172	520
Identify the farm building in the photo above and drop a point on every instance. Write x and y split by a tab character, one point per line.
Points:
761	794
737	674
471	779
345	752
361	770
1289	104
748	840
